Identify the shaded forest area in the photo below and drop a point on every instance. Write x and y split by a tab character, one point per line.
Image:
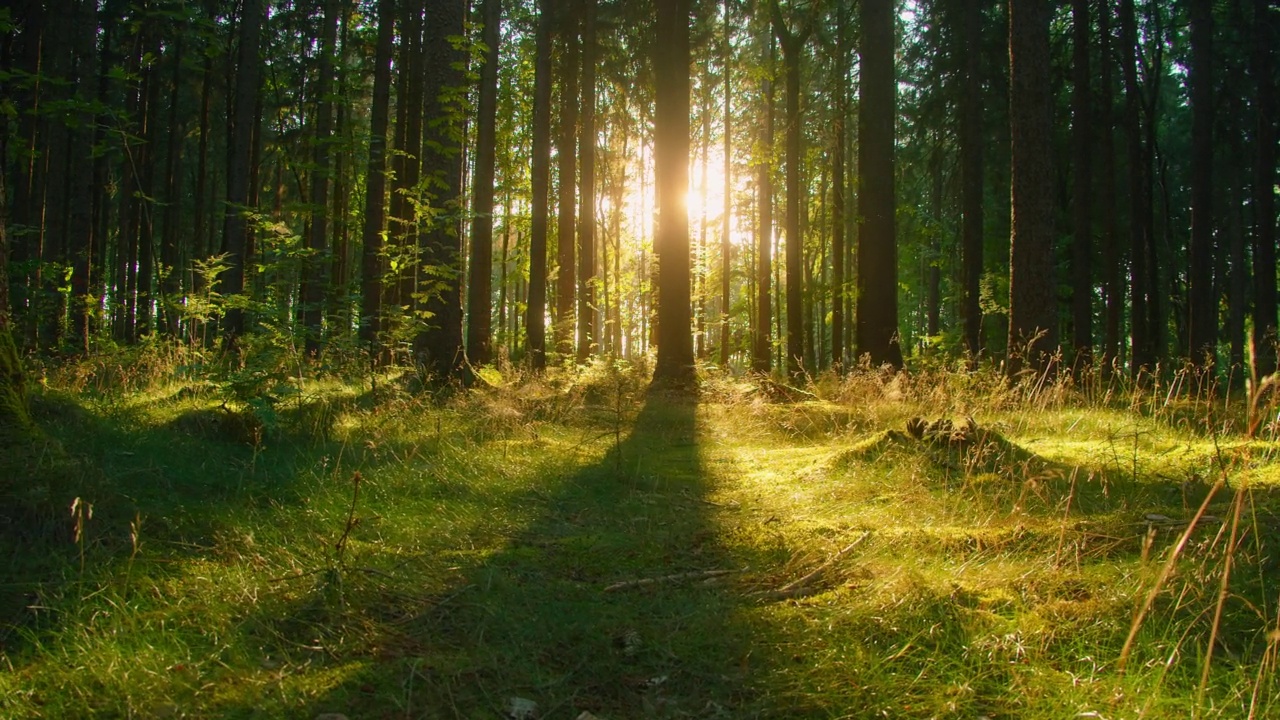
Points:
456	185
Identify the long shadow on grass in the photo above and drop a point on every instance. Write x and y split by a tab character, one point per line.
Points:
534	621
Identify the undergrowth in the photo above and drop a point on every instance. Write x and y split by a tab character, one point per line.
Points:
266	538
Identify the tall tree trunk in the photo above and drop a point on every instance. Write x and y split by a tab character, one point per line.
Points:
1139	230
480	285
762	347
933	256
535	326
566	149
877	319
671	160
701	250
1033	317
413	161
316	278
27	190
841	110
82	235
1082	138
1111	259
792	52
235	229
143	254
726	247
587	335
972	174
1264	207
1203	311
376	183
1237	299
57	47
439	347
171	277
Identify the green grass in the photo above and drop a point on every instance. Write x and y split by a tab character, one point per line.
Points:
1000	582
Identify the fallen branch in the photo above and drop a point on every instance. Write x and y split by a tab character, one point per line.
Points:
678	577
800	587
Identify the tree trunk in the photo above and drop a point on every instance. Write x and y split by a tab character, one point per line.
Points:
1264	207
762	348
877	317
841	108
171	277
480	284
566	149
671	159
1082	137
417	58
535	326
1033	326
235	229
376	183
726	247
1202	308
792	51
82	235
1139	229
933	256
439	347
972	174
587	335
1107	190
316	279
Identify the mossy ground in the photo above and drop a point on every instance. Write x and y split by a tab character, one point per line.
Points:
489	525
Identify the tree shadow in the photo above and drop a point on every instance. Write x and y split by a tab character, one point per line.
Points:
537	620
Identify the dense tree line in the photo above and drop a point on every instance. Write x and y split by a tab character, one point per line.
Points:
780	185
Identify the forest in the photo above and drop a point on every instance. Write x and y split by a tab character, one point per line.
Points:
639	358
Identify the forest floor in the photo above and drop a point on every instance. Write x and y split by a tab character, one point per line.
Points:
574	547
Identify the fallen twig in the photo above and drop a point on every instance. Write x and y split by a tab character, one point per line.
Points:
800	587
695	575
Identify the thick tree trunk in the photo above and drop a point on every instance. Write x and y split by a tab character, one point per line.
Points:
439	347
480	284
535	326
792	52
1033	321
671	159
877	316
